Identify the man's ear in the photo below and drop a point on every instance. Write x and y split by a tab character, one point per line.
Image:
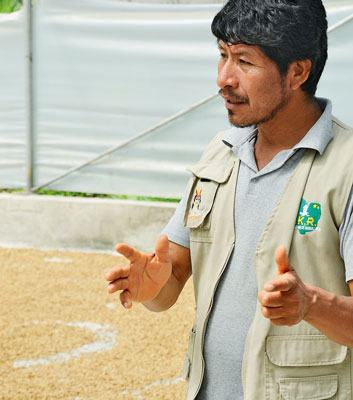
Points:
298	73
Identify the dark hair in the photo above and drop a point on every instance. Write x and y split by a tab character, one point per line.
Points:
285	31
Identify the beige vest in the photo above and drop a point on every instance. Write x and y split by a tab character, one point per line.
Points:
289	363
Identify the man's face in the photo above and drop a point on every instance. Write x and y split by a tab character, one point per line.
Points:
251	85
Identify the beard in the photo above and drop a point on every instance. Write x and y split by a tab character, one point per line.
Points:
259	117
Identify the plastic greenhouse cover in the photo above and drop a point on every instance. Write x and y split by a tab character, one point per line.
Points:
104	71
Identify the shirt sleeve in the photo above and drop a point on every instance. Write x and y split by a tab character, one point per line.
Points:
346	237
175	229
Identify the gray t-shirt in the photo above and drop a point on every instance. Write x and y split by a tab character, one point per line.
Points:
257	193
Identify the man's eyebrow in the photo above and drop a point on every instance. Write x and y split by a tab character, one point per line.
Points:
239	53
244	53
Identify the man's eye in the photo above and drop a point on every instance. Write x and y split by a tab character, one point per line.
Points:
241	61
223	55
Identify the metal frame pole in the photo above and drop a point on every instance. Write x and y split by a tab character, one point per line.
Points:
29	126
340	23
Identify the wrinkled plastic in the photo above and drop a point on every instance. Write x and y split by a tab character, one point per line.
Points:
106	71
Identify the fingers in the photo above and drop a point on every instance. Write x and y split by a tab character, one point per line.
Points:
279	316
162	249
282	260
273	313
278	309
125	298
270	299
117	276
119	284
127	251
282	298
281	285
118	272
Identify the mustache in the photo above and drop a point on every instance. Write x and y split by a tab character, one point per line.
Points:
229	93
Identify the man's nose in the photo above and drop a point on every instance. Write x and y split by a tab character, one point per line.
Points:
227	76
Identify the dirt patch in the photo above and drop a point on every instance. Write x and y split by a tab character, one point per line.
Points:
62	336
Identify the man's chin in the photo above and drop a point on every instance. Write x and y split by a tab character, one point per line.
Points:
239	124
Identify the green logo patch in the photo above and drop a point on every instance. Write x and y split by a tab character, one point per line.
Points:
308	217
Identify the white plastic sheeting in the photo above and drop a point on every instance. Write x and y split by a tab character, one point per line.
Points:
107	70
12	125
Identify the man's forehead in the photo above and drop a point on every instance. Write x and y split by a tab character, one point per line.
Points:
239	47
243	49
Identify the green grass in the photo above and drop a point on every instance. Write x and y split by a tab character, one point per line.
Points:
9	6
97	195
2	190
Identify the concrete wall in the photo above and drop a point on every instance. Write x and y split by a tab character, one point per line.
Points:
86	224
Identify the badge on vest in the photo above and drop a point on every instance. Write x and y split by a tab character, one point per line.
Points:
308	217
195	213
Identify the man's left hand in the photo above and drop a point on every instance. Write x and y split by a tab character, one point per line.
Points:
285	300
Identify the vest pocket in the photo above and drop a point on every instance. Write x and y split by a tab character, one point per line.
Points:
189	354
318	388
207	177
306	367
200	204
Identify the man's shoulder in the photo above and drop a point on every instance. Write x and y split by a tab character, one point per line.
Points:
221	136
340	149
217	147
343	135
340	127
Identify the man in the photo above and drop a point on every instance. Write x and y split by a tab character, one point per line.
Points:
270	249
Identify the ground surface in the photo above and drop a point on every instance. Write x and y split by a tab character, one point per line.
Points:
62	336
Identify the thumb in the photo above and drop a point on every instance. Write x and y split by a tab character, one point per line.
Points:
282	261
162	249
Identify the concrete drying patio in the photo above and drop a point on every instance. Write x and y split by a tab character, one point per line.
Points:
62	336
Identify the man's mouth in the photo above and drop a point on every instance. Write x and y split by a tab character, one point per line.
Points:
232	98
234	105
235	102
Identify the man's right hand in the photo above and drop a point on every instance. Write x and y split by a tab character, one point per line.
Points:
142	279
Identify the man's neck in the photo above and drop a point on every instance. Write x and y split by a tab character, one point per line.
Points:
285	130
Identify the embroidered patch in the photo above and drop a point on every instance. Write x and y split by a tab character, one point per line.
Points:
195	211
308	217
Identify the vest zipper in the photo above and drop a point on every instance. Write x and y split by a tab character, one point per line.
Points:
208	315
